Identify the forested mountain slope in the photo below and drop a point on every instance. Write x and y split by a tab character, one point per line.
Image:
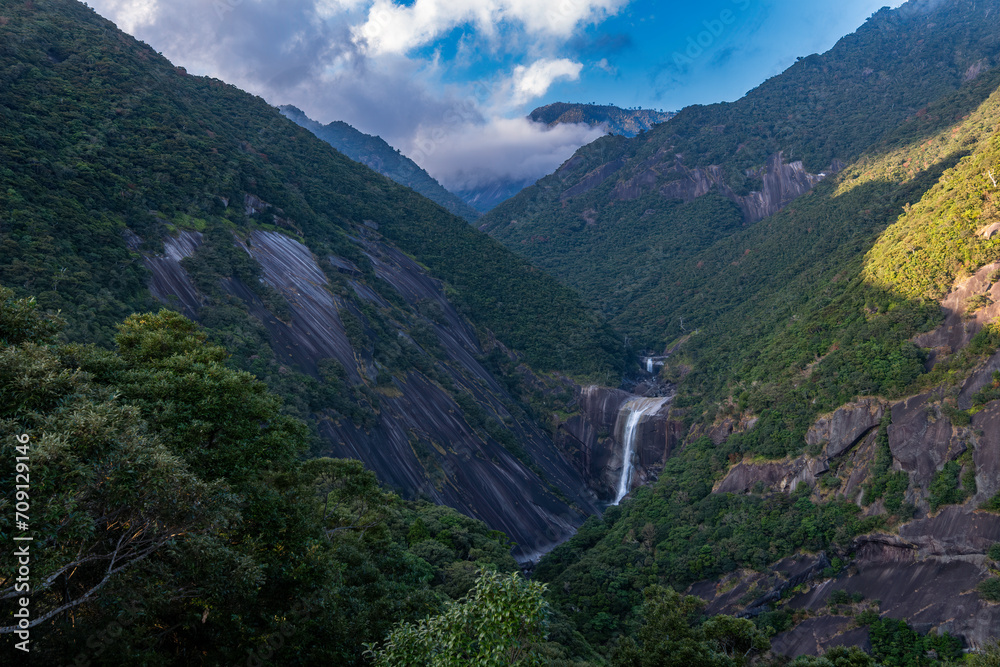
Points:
384	321
836	368
617	218
374	152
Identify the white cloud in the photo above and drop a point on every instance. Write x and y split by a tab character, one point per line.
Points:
130	15
467	155
534	81
395	28
306	53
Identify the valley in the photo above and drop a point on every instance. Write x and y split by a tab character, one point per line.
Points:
723	389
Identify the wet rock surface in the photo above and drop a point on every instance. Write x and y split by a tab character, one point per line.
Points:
597	437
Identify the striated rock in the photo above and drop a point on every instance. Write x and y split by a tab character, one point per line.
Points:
762	588
601	405
170	283
932	593
846	426
814	635
596	436
781	183
420	442
593	179
986	455
954	531
315	331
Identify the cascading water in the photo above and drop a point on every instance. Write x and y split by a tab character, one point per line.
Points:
636	410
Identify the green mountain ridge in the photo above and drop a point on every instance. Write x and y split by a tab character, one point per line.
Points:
372	151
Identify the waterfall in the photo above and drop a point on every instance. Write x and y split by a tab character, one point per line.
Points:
649	365
636	410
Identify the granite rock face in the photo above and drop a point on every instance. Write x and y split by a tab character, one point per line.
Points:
422	443
668	175
958	327
921	438
846	426
784	476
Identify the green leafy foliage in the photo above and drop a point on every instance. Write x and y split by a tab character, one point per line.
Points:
883	481
498	625
175	511
375	153
896	644
838	656
944	488
145	148
670	634
986	656
678	532
990	589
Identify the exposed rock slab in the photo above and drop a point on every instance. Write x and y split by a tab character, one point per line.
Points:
170	283
846	426
921	439
777	475
420	443
781	183
986	456
958	329
813	635
955	530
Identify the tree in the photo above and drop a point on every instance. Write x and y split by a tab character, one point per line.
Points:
498	625
105	493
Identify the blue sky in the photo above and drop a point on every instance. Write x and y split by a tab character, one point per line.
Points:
450	81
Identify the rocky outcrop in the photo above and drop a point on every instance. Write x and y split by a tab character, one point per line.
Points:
170	283
922	439
846	426
781	182
782	476
959	324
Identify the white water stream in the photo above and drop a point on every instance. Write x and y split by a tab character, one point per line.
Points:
636	410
